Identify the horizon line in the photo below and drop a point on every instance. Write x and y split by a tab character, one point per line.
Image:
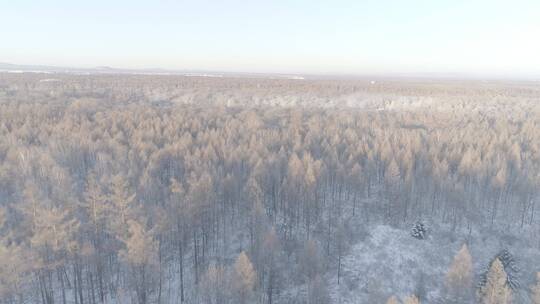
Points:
7	67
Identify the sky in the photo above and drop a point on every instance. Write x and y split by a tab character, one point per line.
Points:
277	36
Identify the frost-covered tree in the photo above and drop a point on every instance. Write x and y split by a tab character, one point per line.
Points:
496	289
179	218
535	290
459	278
214	285
318	291
53	240
122	199
341	246
393	186
411	300
511	269
96	208
140	253
310	264
14	268
392	300
244	278
271	270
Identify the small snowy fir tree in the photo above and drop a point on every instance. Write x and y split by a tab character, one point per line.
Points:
510	268
419	230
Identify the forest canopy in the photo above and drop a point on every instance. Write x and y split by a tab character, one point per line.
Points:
170	189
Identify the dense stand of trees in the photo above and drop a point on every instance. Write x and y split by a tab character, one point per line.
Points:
170	190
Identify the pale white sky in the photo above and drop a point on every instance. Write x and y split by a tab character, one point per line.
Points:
342	37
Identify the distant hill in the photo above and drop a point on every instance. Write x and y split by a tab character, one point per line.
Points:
9	67
16	68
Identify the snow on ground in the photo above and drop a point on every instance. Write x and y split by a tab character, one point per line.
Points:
391	262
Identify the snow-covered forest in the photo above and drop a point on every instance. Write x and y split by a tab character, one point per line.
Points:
172	189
